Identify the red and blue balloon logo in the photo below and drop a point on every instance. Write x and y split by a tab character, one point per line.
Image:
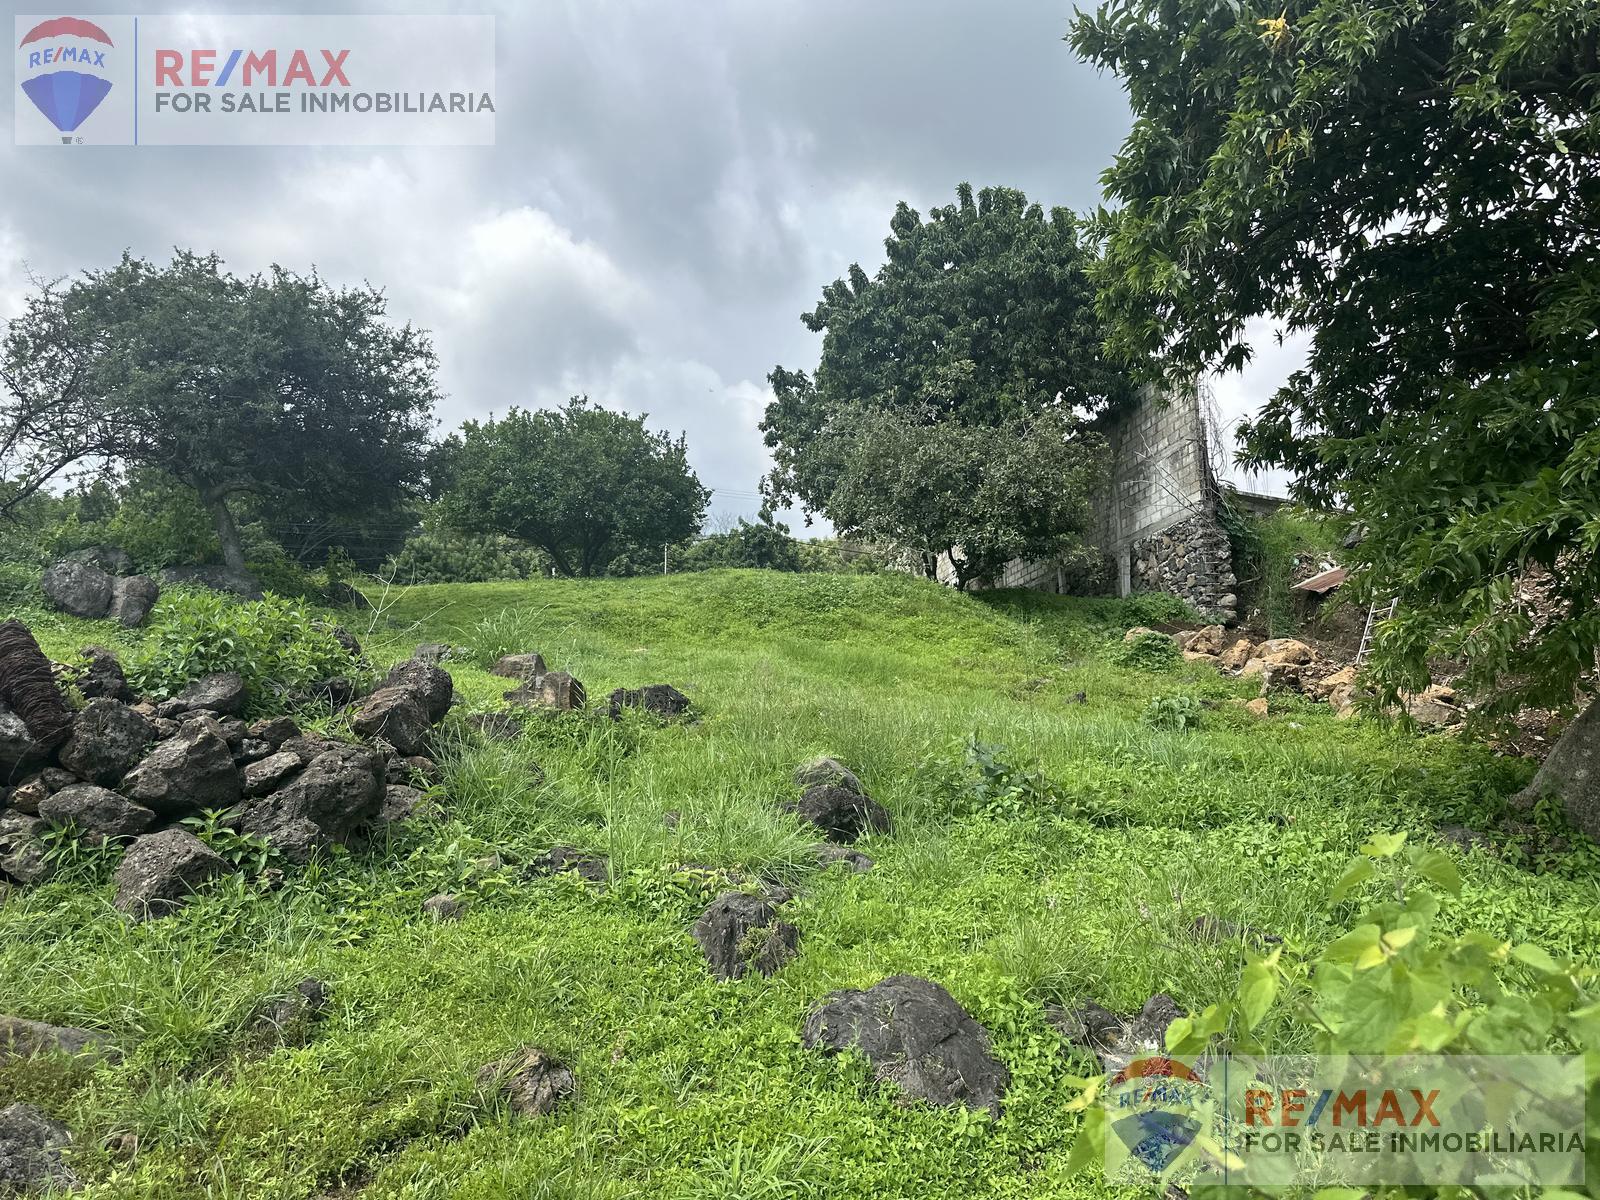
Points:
63	70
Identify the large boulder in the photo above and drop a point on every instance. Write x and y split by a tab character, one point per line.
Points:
841	814
740	933
270	773
430	684
398	716
915	1036
160	870
30	1152
78	588
22	853
16	743
186	773
97	812
338	792
108	740
555	690
21	1038
222	693
530	1080
519	666
662	699
1211	639
111	559
1237	654
132	598
1435	707
28	686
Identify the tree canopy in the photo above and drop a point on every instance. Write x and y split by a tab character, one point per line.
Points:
1414	186
275	386
581	483
981	319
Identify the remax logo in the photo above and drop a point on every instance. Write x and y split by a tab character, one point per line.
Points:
62	68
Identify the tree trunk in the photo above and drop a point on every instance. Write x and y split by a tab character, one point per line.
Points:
227	531
1572	773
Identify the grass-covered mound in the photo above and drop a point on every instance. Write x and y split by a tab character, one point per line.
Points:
1050	845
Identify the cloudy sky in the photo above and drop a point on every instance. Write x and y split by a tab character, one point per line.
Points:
672	186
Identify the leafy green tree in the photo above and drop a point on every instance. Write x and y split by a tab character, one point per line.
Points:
581	483
982	495
982	318
1414	186
439	554
276	387
764	544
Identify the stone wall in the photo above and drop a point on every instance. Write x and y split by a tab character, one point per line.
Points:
1192	559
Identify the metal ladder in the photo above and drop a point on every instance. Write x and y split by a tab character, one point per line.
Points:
1373	618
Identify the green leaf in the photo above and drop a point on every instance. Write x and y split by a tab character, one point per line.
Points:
1353	944
1537	958
1439	868
1257	989
1088	1148
1358	872
1383	845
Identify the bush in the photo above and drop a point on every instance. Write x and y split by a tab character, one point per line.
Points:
973	778
437	555
1150	651
1270	554
273	643
1173	713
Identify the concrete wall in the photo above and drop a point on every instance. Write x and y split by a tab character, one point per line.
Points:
1158	518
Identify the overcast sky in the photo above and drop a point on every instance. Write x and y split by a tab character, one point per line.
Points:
673	185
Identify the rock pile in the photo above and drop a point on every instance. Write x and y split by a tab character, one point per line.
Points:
120	770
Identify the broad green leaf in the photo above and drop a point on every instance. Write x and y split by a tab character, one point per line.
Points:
1537	958
1257	989
1383	845
1437	866
1358	872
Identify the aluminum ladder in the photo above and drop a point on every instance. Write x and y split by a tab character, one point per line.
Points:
1373	618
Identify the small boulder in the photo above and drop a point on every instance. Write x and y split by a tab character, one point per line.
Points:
402	803
221	693
1283	651
30	1152
432	653
1211	639
1323	688
132	599
1200	657
270	773
841	814
186	773
1236	655
408	771
564	859
20	1038
22	853
16	742
335	691
96	812
444	907
531	1081
160	870
78	588
396	714
1137	632
495	726
740	932
830	771
1435	707
430	684
288	1020
662	699
338	792
108	740
101	676
522	667
917	1037
1114	1040
275	731
1256	707
29	794
829	855
216	577
555	690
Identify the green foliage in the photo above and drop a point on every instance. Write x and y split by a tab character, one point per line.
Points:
275	644
275	386
244	851
581	483
975	778
78	858
1175	712
1270	554
1413	188
1150	651
439	554
936	407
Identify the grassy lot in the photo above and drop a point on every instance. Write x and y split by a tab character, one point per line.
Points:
1082	890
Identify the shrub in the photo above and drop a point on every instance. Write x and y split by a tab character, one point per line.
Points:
1173	713
1270	553
273	643
1148	652
973	778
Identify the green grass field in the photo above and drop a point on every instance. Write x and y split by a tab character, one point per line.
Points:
693	1088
